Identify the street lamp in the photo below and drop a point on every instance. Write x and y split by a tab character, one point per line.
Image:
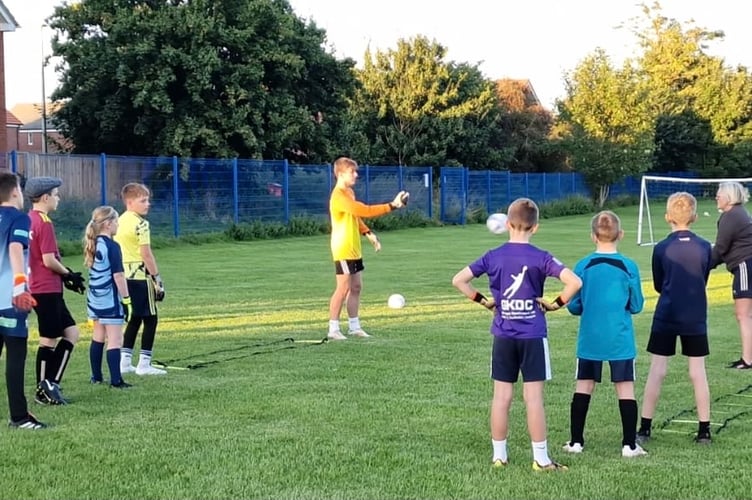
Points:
44	100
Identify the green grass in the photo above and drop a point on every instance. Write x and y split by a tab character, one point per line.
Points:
401	415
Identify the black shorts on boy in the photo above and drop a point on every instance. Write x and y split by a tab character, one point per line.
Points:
509	357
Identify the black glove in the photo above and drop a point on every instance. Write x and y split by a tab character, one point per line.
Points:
74	281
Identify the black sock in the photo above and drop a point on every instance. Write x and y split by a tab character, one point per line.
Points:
628	411
645	425
96	353
62	356
45	362
113	362
704	428
577	415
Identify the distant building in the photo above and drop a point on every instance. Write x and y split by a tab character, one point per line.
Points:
7	23
12	126
32	137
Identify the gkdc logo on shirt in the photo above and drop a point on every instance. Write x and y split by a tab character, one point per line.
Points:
517	305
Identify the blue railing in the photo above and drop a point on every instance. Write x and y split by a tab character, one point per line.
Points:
191	195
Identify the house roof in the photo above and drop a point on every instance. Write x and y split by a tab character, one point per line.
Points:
36	126
32	111
7	21
11	120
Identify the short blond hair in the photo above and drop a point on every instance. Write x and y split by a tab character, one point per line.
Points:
523	214
134	190
736	193
344	163
681	208
606	226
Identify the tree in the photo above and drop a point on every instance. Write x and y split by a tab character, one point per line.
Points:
524	128
419	109
211	78
604	123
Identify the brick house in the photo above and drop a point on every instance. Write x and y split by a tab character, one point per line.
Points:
7	24
12	127
31	132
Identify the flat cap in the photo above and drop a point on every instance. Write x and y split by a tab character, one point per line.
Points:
37	186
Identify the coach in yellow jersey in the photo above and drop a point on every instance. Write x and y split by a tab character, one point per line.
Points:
145	286
347	227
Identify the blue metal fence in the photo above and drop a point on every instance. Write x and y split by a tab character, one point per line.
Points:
193	195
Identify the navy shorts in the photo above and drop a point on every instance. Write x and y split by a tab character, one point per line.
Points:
664	344
621	370
14	323
53	316
740	288
509	357
353	266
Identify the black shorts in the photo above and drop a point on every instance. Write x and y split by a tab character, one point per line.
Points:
621	370
664	344
509	357
353	266
143	297
53	316
740	288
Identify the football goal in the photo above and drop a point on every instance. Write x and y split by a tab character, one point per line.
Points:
655	190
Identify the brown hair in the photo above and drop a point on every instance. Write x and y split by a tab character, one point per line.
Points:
99	217
523	214
8	182
344	163
606	226
681	208
133	190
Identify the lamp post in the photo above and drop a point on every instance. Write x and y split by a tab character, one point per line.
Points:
44	100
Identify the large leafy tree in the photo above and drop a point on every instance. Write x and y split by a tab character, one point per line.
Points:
605	125
212	78
417	108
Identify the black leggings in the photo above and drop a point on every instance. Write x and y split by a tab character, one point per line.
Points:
15	364
147	339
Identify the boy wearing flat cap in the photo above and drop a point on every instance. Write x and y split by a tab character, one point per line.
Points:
58	332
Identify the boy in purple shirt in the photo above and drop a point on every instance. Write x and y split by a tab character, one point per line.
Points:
517	272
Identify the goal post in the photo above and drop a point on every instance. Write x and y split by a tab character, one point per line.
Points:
656	189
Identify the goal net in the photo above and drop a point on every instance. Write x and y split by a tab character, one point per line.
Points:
655	190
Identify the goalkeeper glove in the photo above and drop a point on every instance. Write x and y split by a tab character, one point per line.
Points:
74	281
400	200
127	308
22	298
550	306
159	291
374	240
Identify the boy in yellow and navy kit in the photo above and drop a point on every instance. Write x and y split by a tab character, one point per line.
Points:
347	227
145	286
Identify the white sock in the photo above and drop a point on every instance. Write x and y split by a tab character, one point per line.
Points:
499	450
333	325
144	360
125	358
354	323
540	453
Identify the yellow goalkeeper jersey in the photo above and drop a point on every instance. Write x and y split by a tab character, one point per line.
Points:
347	225
133	232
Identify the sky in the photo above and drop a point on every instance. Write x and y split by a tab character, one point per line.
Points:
537	40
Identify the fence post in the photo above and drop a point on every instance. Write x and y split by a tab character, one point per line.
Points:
13	162
489	210
430	192
544	186
509	188
400	184
103	178
368	184
235	196
176	197
286	189
574	184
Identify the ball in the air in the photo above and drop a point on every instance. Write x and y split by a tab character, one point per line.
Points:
497	223
396	301
706	214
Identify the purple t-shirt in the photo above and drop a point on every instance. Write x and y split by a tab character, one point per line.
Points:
516	275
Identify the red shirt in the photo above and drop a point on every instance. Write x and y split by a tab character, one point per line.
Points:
42	240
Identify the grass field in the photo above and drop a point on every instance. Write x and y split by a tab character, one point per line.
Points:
401	415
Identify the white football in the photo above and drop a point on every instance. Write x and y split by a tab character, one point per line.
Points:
396	301
497	223
706	214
